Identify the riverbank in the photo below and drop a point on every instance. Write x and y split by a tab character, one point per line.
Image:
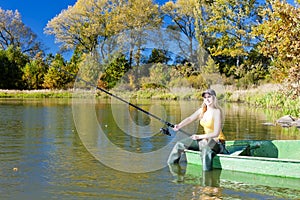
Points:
266	96
35	93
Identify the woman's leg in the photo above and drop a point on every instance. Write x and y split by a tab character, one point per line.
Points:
206	155
179	148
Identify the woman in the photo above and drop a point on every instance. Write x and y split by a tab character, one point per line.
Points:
211	117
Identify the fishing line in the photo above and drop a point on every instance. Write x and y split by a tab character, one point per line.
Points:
163	130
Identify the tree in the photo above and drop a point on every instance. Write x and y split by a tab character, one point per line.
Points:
12	62
90	24
84	25
281	34
55	77
13	32
158	56
182	14
69	29
281	42
115	70
34	72
229	26
136	17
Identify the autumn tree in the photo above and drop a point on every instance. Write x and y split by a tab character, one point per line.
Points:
104	27
13	32
182	14
34	72
281	42
70	29
136	17
56	78
229	26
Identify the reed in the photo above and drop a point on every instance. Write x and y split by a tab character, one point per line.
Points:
268	96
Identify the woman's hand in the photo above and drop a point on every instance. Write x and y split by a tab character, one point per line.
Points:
176	127
196	137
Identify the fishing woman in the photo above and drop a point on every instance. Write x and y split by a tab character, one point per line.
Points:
212	141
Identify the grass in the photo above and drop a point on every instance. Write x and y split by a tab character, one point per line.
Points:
269	96
35	94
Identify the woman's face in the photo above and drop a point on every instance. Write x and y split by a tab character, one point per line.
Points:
208	99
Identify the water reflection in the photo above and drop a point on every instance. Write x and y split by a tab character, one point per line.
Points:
220	184
246	122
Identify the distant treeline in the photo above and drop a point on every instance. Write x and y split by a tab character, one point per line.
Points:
249	42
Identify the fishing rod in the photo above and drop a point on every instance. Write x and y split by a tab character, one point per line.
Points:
162	130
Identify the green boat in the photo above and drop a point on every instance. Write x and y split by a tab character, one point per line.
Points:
266	157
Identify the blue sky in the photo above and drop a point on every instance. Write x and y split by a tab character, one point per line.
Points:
36	14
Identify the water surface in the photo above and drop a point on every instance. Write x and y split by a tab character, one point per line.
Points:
42	155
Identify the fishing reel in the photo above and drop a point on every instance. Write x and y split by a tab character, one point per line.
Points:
165	130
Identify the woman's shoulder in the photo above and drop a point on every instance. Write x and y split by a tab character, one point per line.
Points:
217	111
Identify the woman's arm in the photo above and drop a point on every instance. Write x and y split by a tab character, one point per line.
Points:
188	120
217	128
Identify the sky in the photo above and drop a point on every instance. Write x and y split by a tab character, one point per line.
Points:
36	14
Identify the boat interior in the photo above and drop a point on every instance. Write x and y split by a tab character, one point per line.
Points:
282	149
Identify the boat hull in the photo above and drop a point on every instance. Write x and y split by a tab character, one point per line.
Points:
274	158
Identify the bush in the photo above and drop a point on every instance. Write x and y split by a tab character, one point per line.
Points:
197	82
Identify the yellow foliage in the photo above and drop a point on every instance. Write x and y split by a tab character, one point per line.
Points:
281	34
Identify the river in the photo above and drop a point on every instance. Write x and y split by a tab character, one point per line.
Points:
101	149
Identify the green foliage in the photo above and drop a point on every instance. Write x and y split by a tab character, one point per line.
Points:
55	77
180	82
210	67
277	100
34	72
115	70
250	75
145	94
12	62
72	67
242	36
165	96
158	56
159	77
152	86
160	74
180	71
229	24
35	94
